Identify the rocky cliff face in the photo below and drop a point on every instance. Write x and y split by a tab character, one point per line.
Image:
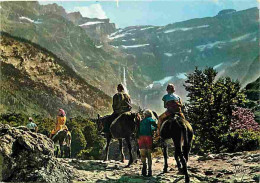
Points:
49	26
96	29
28	157
34	80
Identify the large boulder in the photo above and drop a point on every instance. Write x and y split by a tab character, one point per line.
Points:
27	156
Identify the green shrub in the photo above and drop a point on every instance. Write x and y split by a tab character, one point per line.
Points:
241	140
78	142
93	143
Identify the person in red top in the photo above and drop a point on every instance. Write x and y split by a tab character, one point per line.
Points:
173	104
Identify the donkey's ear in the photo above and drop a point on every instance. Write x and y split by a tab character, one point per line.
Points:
139	109
98	116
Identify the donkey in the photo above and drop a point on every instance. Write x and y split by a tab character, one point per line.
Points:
123	127
63	139
181	132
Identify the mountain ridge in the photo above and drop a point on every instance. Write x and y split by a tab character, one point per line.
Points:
42	81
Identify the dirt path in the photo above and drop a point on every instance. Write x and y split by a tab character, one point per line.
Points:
236	167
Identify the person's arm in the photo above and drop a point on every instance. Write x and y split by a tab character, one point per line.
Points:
165	106
115	104
36	129
128	100
153	123
164	102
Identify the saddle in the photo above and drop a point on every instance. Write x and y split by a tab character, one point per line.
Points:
66	130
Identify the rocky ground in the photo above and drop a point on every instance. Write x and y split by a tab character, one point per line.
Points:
225	167
28	157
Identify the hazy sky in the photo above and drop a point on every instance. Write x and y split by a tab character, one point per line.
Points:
148	12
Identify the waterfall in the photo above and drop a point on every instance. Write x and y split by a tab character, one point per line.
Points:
124	80
145	101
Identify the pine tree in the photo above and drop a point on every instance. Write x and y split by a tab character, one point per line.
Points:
210	106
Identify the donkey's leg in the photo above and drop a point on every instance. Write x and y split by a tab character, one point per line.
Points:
165	155
121	150
107	146
186	151
130	151
57	149
61	150
187	148
69	149
137	150
176	157
179	152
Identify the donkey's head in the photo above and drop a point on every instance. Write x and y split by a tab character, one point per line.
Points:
101	122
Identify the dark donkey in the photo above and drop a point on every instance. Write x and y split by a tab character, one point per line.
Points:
123	127
181	132
63	139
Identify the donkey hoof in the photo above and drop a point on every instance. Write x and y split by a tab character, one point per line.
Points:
130	162
187	179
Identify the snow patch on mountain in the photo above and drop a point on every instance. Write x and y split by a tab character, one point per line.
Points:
240	38
99	46
168	54
164	80
29	20
118	36
114	33
210	45
219	44
181	75
217	66
185	28
135	46
146	28
91	23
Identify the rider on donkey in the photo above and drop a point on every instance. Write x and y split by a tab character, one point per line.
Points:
121	104
60	124
173	104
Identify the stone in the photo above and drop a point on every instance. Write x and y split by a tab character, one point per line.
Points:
29	157
219	175
209	172
206	157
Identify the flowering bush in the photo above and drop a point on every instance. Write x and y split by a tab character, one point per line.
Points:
243	119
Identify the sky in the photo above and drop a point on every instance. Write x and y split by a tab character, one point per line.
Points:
152	12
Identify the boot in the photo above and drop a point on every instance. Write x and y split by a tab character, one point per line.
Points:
144	169
149	172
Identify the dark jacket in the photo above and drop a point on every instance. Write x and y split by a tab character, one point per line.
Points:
121	103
